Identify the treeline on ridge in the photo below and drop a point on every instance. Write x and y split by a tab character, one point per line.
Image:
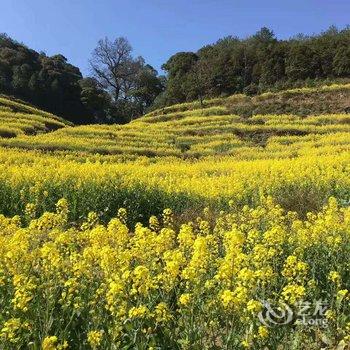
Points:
115	93
123	87
256	64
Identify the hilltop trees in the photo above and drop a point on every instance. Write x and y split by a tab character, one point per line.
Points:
122	88
113	66
50	83
59	88
146	88
257	63
96	100
179	68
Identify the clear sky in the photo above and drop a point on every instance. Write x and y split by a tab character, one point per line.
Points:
157	29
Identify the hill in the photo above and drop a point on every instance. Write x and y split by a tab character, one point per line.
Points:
239	125
252	65
168	157
19	118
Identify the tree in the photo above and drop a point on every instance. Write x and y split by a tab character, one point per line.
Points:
123	86
179	68
95	100
255	64
300	63
113	66
132	84
341	61
59	88
50	83
264	36
199	82
146	88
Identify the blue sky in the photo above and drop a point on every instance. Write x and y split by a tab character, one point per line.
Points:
157	29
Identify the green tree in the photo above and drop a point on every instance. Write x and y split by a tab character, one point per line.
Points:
179	68
96	100
146	88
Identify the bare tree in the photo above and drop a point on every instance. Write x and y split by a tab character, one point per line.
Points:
131	84
114	67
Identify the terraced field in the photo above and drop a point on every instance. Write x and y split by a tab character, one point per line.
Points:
176	157
187	131
168	232
18	118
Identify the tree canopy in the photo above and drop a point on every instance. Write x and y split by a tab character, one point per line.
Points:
122	87
47	82
252	65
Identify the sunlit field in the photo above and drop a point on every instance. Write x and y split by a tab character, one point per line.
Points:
176	230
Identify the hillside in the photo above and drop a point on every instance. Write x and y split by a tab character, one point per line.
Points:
18	118
168	156
258	63
169	231
239	125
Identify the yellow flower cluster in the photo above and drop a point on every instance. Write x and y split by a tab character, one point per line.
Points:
186	131
184	157
259	213
146	187
200	285
94	338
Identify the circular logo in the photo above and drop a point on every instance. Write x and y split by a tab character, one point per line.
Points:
273	316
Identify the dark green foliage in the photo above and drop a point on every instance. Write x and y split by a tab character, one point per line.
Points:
147	87
256	64
50	83
179	68
95	99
